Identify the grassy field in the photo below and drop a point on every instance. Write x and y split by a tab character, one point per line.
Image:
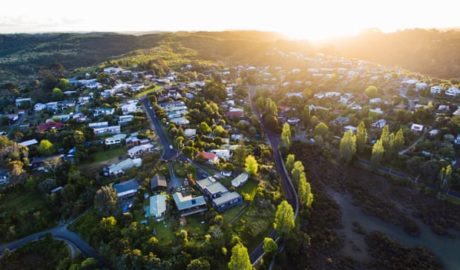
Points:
250	187
25	202
101	159
148	91
109	154
85	224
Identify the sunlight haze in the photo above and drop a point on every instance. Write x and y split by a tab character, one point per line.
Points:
296	19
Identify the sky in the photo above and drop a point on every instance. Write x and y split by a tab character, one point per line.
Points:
305	19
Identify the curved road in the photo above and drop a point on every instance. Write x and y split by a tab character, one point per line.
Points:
286	184
62	233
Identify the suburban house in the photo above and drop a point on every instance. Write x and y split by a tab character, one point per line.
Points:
22	101
452	92
189	205
416	128
121	167
124	119
107	130
29	143
180	121
379	123
190	133
240	180
39	107
40	162
129	107
139	150
211	158
126	192
116	139
222	153
157	207
235	113
103	111
98	124
211	188
226	201
436	90
158	182
45	127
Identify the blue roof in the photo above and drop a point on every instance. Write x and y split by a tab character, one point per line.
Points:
126	186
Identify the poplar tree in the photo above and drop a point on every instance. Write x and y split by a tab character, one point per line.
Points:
377	153
348	146
361	137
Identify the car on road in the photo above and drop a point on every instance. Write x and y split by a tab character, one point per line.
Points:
171	147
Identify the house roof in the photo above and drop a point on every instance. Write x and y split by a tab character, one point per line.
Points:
157	205
240	179
49	125
212	187
187	202
207	155
158	181
226	197
127	187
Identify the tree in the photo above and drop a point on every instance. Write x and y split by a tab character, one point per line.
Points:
445	176
78	137
45	148
284	219
297	170
250	165
306	116
57	94
371	91
64	84
304	191
204	128
108	224
105	200
290	159
377	153
270	245
399	140
348	146
361	137
385	137
270	107
321	129
240	258
199	264
286	135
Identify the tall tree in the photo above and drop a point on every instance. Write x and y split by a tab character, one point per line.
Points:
284	219
251	166
348	146
270	245
45	148
445	176
361	137
199	264
304	191
105	201
385	137
290	159
371	91
306	116
399	140
286	135
321	129
377	153
240	258
297	170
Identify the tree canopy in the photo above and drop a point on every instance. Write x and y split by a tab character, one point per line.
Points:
240	258
284	219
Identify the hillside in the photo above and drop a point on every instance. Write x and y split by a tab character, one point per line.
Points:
426	51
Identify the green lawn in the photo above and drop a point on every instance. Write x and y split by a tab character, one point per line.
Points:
164	230
25	202
109	154
148	91
230	214
250	187
85	224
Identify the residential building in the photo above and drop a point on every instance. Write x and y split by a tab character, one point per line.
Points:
39	107
103	111
107	130
157	207
226	201
379	123
116	139
416	128
124	119
123	166
189	205
235	113
126	189
23	101
190	133
211	188
211	158
45	127
139	150
158	182
222	153
240	180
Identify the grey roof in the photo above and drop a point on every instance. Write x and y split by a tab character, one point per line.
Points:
226	197
158	181
213	187
126	186
187	202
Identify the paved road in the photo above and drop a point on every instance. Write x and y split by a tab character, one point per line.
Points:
169	152
288	188
62	233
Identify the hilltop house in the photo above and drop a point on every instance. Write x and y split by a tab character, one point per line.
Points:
158	182
126	192
116	139
139	150
107	130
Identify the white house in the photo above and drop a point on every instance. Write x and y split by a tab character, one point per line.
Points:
121	167
436	90
22	101
98	124
29	143
39	107
158	206
140	150
123	119
103	111
116	139
107	130
222	153
240	180
416	128
190	132
129	107
180	121
453	91
379	123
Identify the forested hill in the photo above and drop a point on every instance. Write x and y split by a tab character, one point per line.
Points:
23	55
432	52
